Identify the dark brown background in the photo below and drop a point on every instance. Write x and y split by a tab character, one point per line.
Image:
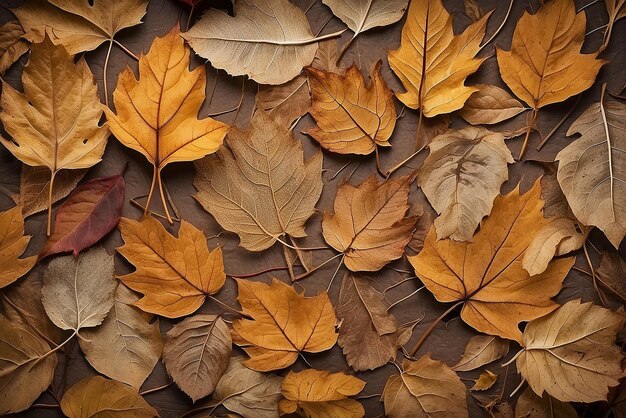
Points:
448	341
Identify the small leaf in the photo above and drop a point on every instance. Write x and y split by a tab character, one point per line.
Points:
490	105
12	46
13	243
285	102
529	405
485	381
612	274
481	350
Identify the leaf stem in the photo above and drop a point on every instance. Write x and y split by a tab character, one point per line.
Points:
163	201
433	326
593	276
156	389
52	351
154	179
301	248
558	125
344	49
105	70
257	273
49	223
128	51
506	17
303	275
335	273
415	292
531	124
229	308
410	157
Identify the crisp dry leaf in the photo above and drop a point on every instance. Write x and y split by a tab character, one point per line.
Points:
284	323
126	347
462	176
426	388
326	56
485	381
79	25
78	292
591	169
431	128
12	46
529	405
99	397
267	40
369	224
175	275
576	343
286	102
90	212
26	366
367	333
35	186
616	9
259	186
54	123
473	9
248	393
481	350
486	275
157	115
13	243
612	274
490	105
196	354
318	394
352	118
433	63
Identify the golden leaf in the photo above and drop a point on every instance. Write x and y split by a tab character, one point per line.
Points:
13	243
175	275
157	115
284	323
486	275
12	46
318	393
485	381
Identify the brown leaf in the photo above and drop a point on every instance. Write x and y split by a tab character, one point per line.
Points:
12	46
473	9
529	405
285	102
175	275
196	354
259	185
13	243
481	350
369	225
612	274
490	105
485	381
367	333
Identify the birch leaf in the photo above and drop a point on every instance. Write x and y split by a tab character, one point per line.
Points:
481	350
12	46
13	243
490	105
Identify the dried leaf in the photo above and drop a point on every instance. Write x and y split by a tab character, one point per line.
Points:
259	186
481	350
489	105
13	243
591	169
12	46
78	292
99	397
318	393
612	274
576	343
35	186
462	176
369	225
485	381
157	115
367	333
249	393
486	275
126	347
352	118
175	275
285	102
433	63
529	405
284	323
473	9
426	388
196	354
79	25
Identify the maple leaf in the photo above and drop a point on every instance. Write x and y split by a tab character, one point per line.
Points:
284	323
318	393
59	130
486	275
157	114
12	46
175	275
13	243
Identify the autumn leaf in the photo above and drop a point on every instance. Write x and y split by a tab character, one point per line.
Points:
175	275
286	102
271	43
367	333
425	388
54	123
259	185
612	274
481	350
90	212
485	381
576	343
616	9
490	105
486	275
196	354
157	115
529	405
369	225
544	65
433	63
462	176
12	46
96	396
284	324
13	243
126	347
318	393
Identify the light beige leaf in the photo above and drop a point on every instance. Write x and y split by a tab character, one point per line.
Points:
481	350
571	353
35	184
78	292
126	347
12	46
259	185
529	405
591	169
489	105
247	392
367	333
485	381
196	354
462	176
612	274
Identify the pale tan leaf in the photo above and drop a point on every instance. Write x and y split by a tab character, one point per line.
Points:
362	15
529	405
12	46
481	350
489	105
35	185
